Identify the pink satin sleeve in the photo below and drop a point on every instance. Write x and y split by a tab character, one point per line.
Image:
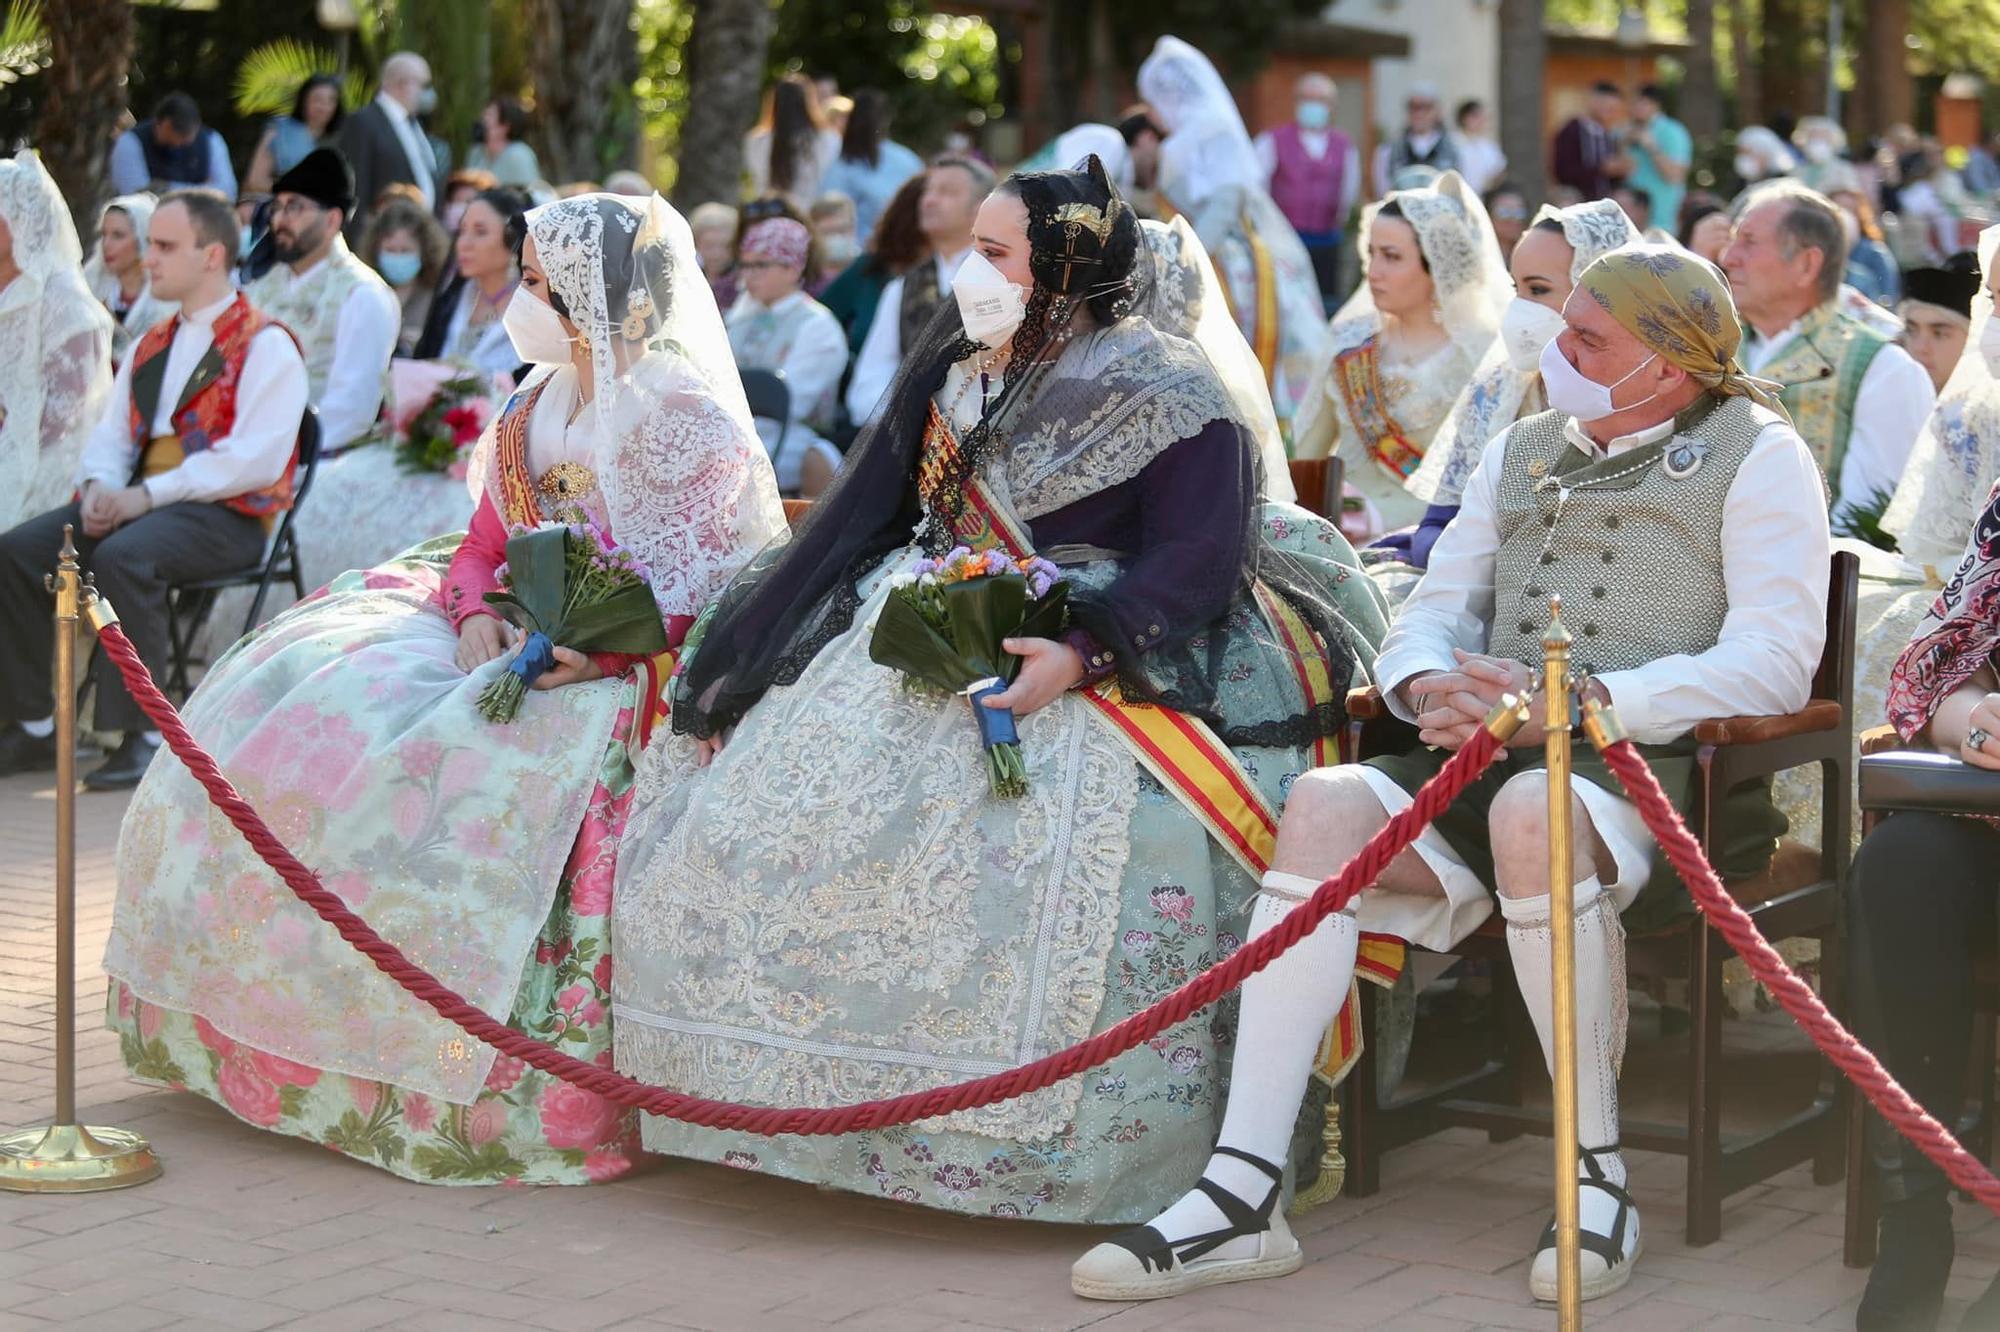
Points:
473	568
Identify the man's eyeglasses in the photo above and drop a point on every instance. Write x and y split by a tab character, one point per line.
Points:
296	208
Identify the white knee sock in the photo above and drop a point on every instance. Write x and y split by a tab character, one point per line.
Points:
1286	1010
1600	1017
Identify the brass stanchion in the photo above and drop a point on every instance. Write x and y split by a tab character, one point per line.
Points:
1562	934
67	1157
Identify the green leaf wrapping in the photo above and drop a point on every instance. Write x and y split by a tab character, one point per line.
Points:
626	620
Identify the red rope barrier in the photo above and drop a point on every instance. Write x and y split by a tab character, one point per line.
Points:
1205	989
1834	1040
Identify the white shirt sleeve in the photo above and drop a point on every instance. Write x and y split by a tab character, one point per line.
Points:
363	342
270	399
128	167
1350	184
812	369
881	352
1267	156
1452	604
1775	558
1895	400
1381	169
109	453
221	176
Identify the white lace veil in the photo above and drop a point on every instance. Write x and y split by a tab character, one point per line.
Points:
1186	298
1490	403
44	237
137	207
1466	269
55	343
1957	455
688	486
1080	141
1206	147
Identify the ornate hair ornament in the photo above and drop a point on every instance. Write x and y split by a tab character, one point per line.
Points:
1078	217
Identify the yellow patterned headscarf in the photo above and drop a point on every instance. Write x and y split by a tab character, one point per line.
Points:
1678	304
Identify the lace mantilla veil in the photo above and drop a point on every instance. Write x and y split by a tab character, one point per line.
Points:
1957	455
1456	236
688	486
1493	399
55	342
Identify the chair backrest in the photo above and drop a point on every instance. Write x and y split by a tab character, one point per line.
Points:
1318	482
1835	677
795	509
768	394
308	463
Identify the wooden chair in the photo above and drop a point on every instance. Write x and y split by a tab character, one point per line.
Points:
1975	1124
1801	893
795	509
1319	481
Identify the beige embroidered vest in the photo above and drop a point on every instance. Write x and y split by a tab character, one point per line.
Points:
311	308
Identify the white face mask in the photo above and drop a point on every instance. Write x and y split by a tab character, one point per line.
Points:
1989	345
1573	394
1819	152
840	249
535	330
1525	330
1749	168
990	305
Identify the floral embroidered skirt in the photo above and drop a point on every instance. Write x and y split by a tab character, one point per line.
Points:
268	1021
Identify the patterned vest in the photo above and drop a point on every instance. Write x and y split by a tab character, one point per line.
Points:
207	408
311	308
1635	553
1307	188
1821	369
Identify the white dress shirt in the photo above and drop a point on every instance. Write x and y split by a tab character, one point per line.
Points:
363	340
1775	557
1481	161
1315	142
270	399
881	353
1894	402
415	147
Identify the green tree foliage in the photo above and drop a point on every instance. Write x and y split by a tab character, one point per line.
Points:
937	69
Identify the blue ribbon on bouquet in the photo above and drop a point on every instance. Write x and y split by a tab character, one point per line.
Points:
996	725
537	655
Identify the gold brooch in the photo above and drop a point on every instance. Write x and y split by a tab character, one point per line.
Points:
566	481
1538	467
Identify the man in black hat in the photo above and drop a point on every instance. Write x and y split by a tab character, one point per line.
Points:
1937	313
345	317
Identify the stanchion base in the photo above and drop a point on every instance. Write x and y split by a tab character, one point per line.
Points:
69	1158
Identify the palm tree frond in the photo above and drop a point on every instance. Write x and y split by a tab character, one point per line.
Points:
268	80
24	42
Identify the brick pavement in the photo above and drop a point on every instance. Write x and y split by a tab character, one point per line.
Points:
249	1230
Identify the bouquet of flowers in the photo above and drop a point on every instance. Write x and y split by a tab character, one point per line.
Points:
943	625
568	585
437	412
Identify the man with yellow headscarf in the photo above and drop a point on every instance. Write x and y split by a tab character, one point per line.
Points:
1683	522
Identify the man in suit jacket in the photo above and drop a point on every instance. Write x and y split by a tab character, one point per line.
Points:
383	142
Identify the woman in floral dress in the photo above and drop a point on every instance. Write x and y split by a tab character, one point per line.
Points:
836	907
484	850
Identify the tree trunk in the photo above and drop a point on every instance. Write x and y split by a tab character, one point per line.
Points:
1701	98
1749	69
1787	46
1883	93
583	57
727	48
1524	51
90	49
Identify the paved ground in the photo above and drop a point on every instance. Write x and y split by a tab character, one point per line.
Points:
248	1230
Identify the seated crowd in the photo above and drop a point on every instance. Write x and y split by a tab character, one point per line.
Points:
1109	361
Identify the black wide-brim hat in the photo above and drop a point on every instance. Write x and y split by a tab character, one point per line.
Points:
323	176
